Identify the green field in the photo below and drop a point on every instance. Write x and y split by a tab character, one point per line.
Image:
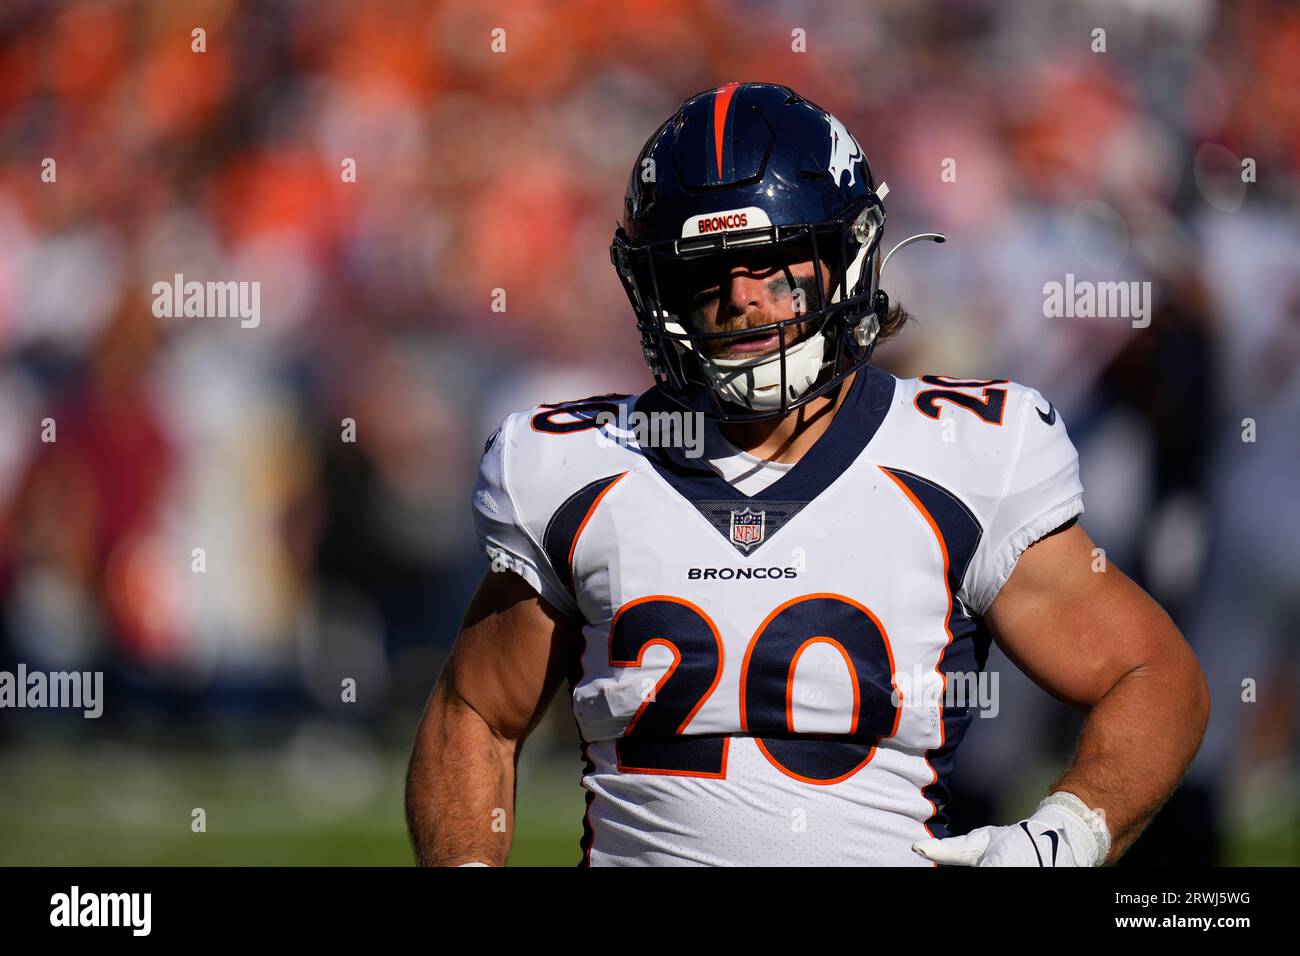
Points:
123	806
322	801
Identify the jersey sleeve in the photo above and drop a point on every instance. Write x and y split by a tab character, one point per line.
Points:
504	529
1040	492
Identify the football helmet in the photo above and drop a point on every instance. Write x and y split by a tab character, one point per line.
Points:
745	170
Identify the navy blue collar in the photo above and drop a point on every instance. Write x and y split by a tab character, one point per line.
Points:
853	427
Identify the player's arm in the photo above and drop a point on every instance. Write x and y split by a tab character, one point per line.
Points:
1095	640
1091	638
503	671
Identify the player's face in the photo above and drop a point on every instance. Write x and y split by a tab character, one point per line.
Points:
760	289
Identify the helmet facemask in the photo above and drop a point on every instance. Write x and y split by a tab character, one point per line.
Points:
840	331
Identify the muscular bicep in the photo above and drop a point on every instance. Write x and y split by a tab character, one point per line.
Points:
1075	628
511	654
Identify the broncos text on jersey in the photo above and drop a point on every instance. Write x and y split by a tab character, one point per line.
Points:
740	690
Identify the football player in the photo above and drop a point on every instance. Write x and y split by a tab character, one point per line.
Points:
761	641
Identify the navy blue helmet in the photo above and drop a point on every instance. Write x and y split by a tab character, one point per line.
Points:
752	169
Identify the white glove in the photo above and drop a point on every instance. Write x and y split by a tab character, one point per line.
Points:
1063	831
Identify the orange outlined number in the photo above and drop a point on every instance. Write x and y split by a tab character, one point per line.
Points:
655	740
989	406
565	418
767	687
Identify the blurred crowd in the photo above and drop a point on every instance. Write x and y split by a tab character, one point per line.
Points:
204	528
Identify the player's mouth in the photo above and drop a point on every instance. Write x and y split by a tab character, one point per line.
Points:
750	345
756	344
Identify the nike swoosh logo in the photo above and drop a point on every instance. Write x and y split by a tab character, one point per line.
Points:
1051	835
1048	416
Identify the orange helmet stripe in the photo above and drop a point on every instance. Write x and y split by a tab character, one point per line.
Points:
721	100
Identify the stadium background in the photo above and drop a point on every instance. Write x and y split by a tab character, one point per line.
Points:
481	170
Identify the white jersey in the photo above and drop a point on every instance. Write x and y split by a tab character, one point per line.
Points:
757	681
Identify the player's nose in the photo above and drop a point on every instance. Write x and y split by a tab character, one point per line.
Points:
746	292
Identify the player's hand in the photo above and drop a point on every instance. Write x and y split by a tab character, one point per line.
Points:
1063	831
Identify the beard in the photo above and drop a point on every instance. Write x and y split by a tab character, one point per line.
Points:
752	345
746	345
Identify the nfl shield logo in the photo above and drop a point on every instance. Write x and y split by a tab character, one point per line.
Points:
747	528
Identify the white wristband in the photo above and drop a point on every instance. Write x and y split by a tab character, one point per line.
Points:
1093	820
